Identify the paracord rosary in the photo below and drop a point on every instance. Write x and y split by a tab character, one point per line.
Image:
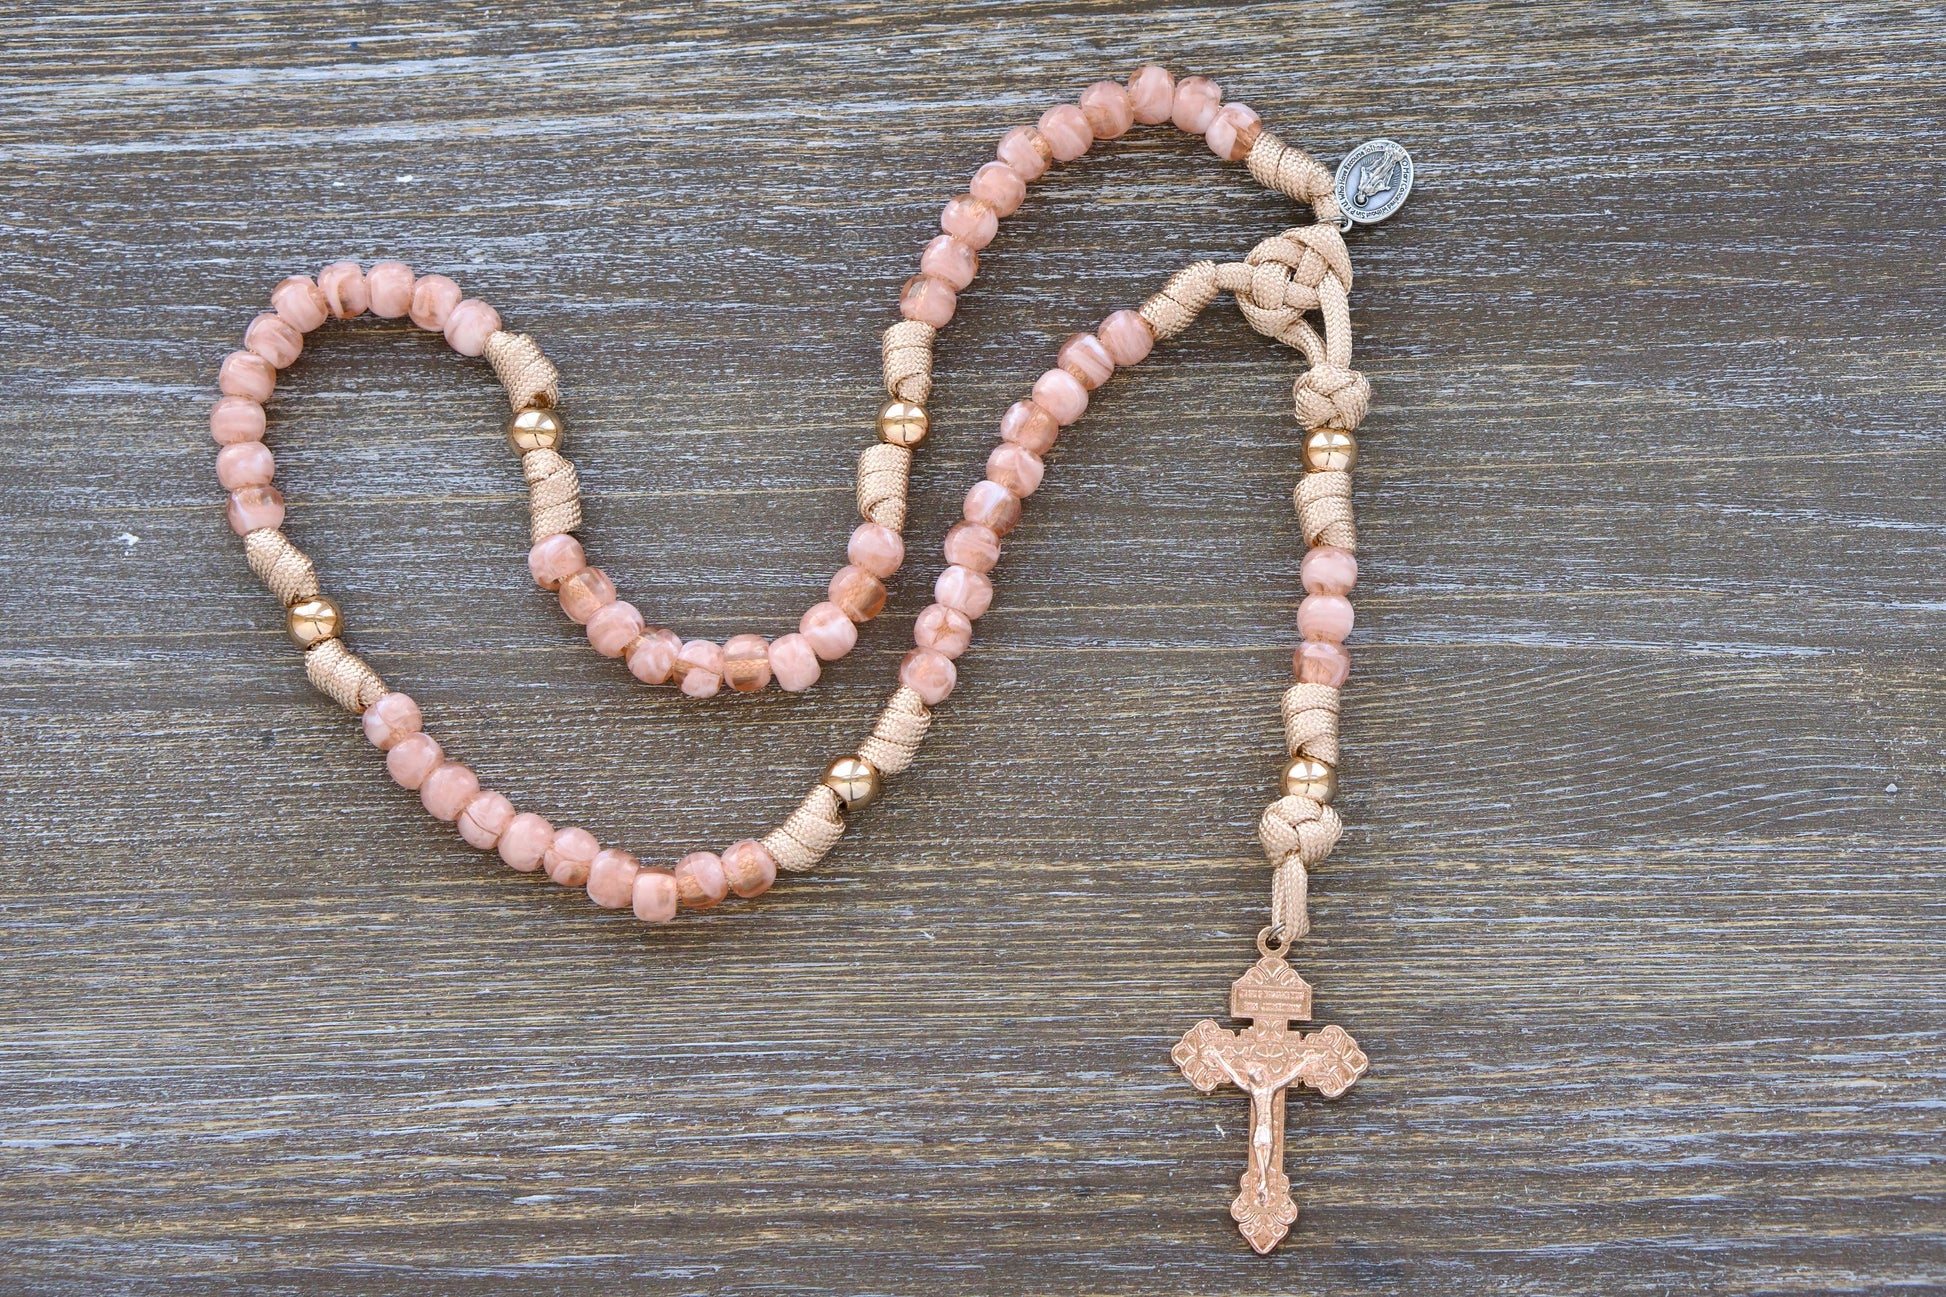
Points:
1281	280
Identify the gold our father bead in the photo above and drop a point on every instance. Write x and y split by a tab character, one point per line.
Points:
311	621
1310	777
533	429
855	780
903	423
1329	448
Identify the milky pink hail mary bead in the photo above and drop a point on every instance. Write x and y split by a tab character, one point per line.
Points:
433	300
1067	131
392	720
1197	102
1152	94
611	878
586	593
448	789
1016	469
248	463
879	550
830	633
1109	110
699	880
971	221
525	841
929	300
1084	356
746	663
1233	131
346	293
794	663
928	673
247	375
1326	617
273	338
1029	426
253	508
469	326
1322	663
653	897
569	856
1061	395
412	758
992	505
485	818
858	592
236	419
950	261
964	590
1000	187
1127	337
946	631
555	559
614	627
1327	569
389	286
300	302
972	545
1027	151
749	867
653	657
701	665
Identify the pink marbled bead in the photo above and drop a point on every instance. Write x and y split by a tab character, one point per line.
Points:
247	375
1029	426
389	287
653	896
746	663
1233	131
1127	337
1152	94
390	721
964	590
1326	617
448	789
299	302
254	507
555	559
614	627
1027	151
412	758
950	261
879	550
970	544
1320	662
1198	100
346	293
970	221
469	325
234	419
1016	469
992	505
569	856
611	879
1084	356
248	463
653	656
946	631
699	880
858	592
929	300
700	664
1061	395
794	663
1327	569
485	818
830	633
749	867
1000	187
273	338
1108	108
433	300
1067	131
929	674
586	593
524	842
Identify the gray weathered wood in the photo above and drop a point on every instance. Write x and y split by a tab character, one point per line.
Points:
1638	912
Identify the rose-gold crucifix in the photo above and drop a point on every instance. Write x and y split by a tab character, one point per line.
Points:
1263	1059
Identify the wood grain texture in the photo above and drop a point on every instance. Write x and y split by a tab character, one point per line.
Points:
1638	914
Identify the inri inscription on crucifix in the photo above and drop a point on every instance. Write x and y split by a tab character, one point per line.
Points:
1263	1060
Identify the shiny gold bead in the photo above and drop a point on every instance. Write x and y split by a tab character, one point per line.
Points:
1328	448
903	423
1309	777
311	621
535	430
855	780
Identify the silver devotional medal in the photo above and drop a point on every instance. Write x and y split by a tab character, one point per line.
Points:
1373	181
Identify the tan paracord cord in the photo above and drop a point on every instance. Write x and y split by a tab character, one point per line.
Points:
1282	286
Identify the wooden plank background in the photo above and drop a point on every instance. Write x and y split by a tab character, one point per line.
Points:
1639	909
